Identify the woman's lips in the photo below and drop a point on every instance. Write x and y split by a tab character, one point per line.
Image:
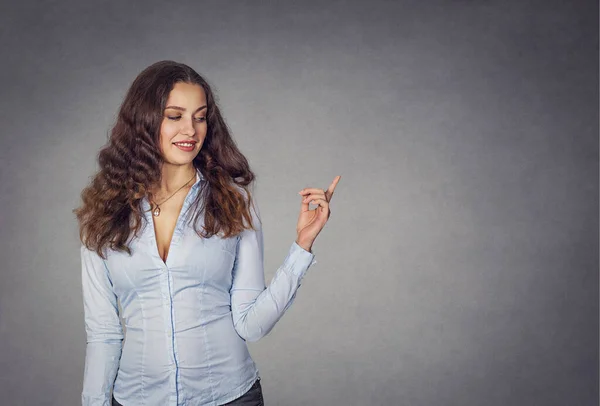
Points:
186	148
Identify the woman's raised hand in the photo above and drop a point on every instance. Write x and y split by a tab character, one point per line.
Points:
312	221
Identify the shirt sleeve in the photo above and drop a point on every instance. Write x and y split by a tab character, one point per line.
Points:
103	330
256	308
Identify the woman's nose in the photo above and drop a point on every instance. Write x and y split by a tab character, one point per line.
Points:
188	127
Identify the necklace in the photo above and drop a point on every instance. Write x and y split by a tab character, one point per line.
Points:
156	211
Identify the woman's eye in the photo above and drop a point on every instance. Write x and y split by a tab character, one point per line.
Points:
199	119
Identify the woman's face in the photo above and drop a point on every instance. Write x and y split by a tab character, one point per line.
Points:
184	120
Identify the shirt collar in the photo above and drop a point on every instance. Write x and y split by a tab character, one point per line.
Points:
199	177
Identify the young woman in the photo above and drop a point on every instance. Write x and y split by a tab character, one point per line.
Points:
170	230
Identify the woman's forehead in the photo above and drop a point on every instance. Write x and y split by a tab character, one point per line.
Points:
186	95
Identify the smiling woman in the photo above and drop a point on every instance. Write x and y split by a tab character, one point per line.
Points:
167	103
192	293
182	121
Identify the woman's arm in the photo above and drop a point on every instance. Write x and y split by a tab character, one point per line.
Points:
256	308
103	330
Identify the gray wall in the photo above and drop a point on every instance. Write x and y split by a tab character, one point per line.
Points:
460	264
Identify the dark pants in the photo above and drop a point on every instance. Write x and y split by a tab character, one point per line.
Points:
253	397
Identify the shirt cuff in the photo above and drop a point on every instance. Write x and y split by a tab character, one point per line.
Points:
299	260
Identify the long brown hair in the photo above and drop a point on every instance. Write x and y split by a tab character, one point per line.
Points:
130	163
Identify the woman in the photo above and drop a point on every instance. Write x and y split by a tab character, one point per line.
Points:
190	296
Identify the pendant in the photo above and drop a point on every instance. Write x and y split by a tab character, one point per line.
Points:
156	211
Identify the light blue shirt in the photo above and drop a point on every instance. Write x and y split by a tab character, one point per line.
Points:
187	321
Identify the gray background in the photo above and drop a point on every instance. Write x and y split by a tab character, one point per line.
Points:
460	263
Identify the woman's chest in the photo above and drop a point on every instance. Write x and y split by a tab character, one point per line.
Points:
192	262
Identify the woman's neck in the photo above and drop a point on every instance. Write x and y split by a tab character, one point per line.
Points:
173	178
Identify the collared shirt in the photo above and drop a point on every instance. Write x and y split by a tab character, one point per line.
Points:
187	320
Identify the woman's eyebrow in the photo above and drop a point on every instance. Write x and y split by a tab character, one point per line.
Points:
183	109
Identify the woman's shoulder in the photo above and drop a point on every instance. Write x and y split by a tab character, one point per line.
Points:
248	193
245	190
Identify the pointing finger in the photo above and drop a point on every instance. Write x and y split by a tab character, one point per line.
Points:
331	188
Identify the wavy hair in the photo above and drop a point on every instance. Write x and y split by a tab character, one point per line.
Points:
130	163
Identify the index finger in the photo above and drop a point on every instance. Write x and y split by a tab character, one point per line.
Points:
331	188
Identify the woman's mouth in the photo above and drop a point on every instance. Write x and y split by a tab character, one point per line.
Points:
185	146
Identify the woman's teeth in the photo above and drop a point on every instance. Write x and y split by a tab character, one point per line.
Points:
184	144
